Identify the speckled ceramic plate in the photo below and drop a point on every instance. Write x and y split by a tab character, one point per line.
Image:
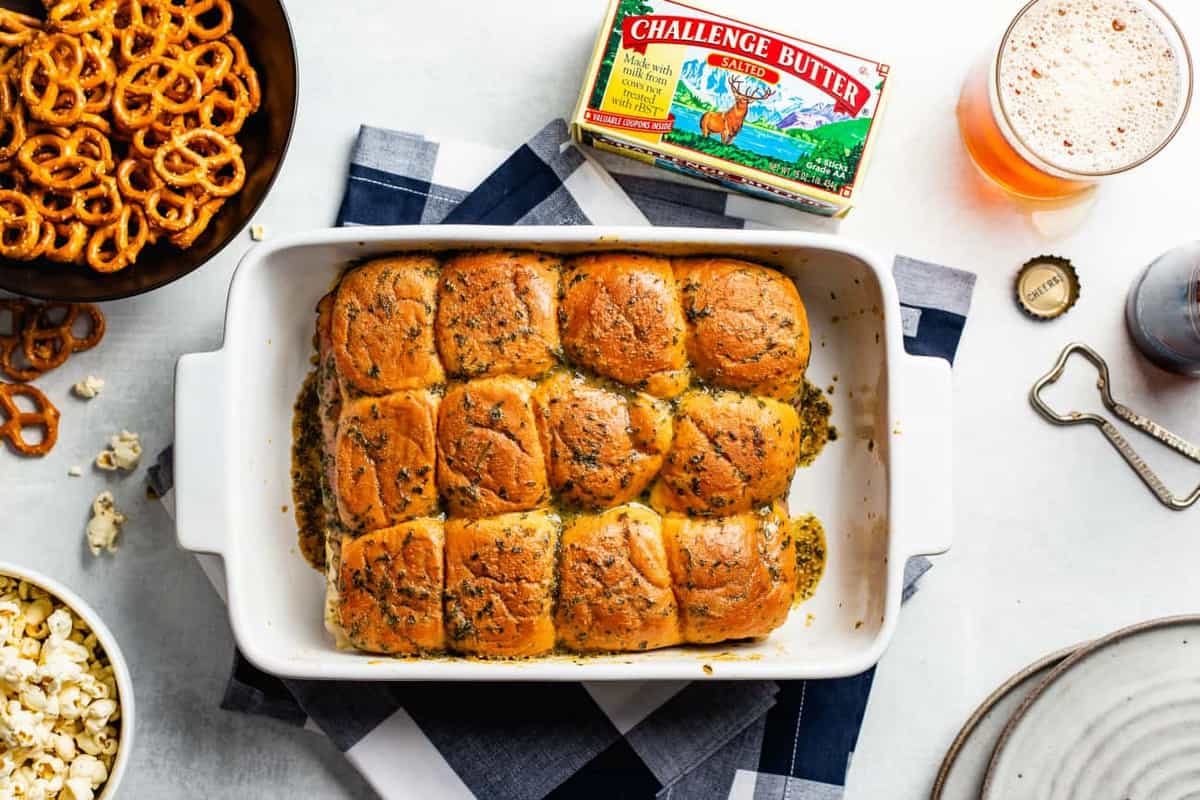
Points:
1117	720
966	762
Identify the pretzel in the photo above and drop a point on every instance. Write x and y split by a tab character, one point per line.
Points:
197	11
146	141
10	341
69	239
204	214
80	16
143	28
20	225
92	144
50	79
211	60
136	178
115	246
151	86
202	157
227	106
98	204
48	342
44	335
44	416
169	210
66	162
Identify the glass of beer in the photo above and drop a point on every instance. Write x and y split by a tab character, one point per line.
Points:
1077	90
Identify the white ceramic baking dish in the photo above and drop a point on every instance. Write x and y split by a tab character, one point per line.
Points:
882	489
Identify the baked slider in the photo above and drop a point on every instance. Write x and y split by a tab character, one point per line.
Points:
391	584
747	327
497	314
385	460
603	448
620	318
382	327
734	577
489	456
500	579
731	453
615	589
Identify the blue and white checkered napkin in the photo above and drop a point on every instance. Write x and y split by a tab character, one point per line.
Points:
752	740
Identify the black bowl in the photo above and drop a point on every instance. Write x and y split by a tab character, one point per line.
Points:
262	26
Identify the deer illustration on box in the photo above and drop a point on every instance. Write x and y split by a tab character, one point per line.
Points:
729	122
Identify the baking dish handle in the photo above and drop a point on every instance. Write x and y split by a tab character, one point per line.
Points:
921	454
200	513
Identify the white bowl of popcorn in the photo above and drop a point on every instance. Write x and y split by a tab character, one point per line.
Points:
66	700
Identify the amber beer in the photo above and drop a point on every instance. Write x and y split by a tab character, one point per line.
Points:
1077	90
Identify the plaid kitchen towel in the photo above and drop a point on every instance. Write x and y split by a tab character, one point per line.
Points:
754	740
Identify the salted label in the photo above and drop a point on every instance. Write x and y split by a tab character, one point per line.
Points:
732	103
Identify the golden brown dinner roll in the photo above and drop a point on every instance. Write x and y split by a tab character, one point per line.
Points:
382	328
385	460
747	328
602	448
620	317
500	584
614	585
735	577
489	457
731	453
391	583
497	313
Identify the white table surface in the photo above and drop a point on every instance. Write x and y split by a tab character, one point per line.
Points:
1056	540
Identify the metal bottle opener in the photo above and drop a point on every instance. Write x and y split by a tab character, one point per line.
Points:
1147	426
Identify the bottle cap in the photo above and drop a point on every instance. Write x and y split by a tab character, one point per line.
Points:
1047	287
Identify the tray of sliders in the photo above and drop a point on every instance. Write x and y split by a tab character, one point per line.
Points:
477	453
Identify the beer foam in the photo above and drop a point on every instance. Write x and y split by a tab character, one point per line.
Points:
1091	86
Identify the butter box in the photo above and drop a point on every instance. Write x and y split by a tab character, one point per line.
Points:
731	103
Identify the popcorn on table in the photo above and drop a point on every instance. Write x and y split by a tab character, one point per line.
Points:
89	387
104	528
58	699
124	452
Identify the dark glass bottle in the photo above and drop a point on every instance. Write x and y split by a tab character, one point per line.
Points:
1163	310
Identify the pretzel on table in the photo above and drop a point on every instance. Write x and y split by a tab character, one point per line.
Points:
44	416
48	341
